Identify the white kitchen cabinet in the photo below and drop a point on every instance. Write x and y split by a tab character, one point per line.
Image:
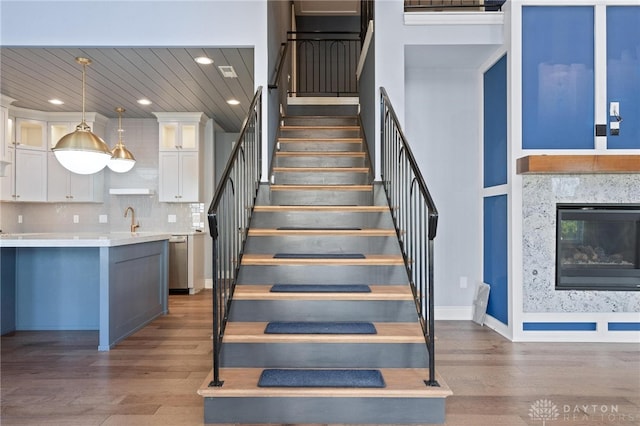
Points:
178	136
31	134
179	177
181	156
65	186
26	179
6	133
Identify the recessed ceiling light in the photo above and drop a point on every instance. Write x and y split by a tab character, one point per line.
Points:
56	101
144	101
203	60
233	102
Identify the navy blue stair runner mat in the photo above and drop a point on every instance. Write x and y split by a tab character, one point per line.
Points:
320	288
319	327
318	256
296	378
323	228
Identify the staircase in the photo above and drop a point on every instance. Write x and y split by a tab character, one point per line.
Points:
322	304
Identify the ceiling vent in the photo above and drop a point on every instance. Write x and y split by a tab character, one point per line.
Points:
228	71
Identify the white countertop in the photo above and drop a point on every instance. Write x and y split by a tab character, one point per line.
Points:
89	239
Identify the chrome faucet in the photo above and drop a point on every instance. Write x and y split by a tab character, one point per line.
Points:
134	225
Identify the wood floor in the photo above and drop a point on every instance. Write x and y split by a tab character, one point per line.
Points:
151	378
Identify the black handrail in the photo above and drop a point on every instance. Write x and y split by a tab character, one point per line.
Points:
284	49
229	216
415	217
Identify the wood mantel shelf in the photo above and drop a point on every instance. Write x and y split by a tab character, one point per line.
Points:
564	164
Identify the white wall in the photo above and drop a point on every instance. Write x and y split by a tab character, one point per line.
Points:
443	127
431	73
392	35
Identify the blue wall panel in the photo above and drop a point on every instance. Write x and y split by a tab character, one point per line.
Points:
559	326
496	256
623	73
557	77
495	124
623	326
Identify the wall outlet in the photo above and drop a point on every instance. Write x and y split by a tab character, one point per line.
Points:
19	218
103	218
76	218
464	282
171	218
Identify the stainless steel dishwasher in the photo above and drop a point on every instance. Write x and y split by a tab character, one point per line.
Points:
178	264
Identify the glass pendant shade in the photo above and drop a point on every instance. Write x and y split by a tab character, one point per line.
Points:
82	152
122	160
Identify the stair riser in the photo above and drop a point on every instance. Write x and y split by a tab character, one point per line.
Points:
310	355
320	146
321	178
322	219
319	110
305	410
321	197
305	310
322	244
319	274
319	161
320	121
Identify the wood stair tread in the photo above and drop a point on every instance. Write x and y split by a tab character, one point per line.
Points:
321	208
400	383
294	187
353	117
320	127
284	139
267	232
253	332
320	154
321	169
378	292
368	259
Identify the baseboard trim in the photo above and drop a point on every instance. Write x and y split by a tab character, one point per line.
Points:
453	313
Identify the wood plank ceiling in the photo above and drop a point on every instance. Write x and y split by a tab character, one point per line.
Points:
168	77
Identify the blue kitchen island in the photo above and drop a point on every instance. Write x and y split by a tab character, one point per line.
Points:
114	283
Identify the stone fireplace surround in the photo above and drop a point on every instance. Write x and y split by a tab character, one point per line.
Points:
540	194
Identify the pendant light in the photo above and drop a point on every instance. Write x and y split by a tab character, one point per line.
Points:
82	152
122	159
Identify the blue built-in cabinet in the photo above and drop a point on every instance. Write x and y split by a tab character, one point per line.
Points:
495	124
623	73
495	173
558	77
496	256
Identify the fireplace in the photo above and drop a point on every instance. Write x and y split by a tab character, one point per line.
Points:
598	247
